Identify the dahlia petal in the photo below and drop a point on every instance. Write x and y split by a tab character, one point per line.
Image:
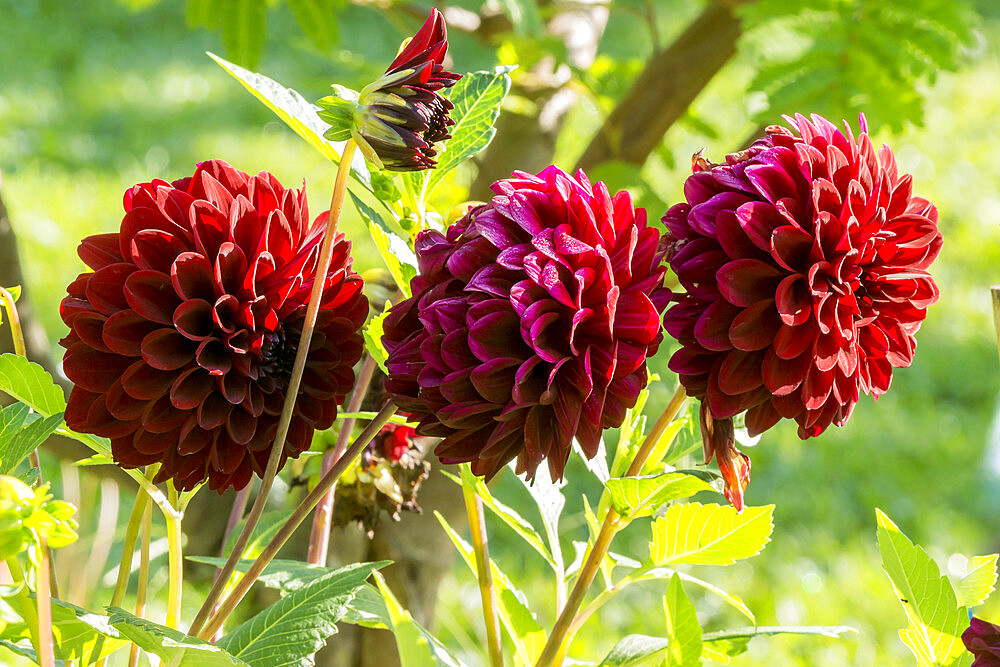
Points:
783	376
192	276
92	369
712	327
104	289
166	350
213	356
755	327
794	300
151	294
494	379
100	250
144	382
740	372
744	282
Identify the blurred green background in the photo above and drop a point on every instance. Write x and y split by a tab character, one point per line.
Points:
97	96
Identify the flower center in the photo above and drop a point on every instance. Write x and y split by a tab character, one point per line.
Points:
278	354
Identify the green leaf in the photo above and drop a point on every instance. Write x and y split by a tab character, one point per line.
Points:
978	581
75	631
368	609
292	629
318	20
709	534
633	649
524	16
395	251
549	498
734	601
243	28
285	575
25	441
417	647
298	114
373	338
683	629
31	384
522	627
734	641
508	515
12	420
267	527
95	460
936	621
172	646
634	497
477	98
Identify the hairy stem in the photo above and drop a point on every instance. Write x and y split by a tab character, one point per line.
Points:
319	538
477	526
291	394
560	632
298	516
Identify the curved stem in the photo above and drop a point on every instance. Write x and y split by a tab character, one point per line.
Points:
477	526
291	393
551	654
24	600
43	597
319	538
15	323
174	565
140	595
298	516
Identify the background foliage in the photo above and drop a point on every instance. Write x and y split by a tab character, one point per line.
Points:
97	96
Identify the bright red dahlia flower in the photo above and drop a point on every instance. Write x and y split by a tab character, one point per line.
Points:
397	119
982	638
182	339
393	441
530	323
804	260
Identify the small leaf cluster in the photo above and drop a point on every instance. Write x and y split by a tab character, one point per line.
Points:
28	516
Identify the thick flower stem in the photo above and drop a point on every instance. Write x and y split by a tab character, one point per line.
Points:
291	394
174	564
554	649
303	510
43	597
319	538
140	595
477	527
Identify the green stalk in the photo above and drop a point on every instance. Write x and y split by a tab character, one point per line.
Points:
291	394
140	596
298	516
477	527
174	562
554	647
24	600
43	597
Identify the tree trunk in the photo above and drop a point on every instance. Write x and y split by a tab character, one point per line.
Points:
665	89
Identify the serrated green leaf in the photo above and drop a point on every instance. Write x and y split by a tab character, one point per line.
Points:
522	627
285	575
12	420
373	338
633	649
243	27
172	646
549	499
417	647
734	601
936	621
709	534
298	114
634	497
292	629
683	629
509	516
368	609
75	631
978	582
25	441
95	460
30	384
395	251
477	98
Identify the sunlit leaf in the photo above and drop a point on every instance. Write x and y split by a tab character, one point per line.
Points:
15	449
734	641
243	29
395	251
75	631
31	384
373	338
978	582
936	621
633	649
172	646
634	497
709	534
683	630
417	647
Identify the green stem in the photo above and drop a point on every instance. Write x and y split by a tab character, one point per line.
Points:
298	516
140	595
554	647
174	564
477	527
15	323
291	393
319	537
135	519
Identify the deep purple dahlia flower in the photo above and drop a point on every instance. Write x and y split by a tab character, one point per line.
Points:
397	119
530	323
982	638
805	263
182	338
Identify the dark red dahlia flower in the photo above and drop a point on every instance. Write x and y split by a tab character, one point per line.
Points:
982	638
804	260
182	339
397	119
530	323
